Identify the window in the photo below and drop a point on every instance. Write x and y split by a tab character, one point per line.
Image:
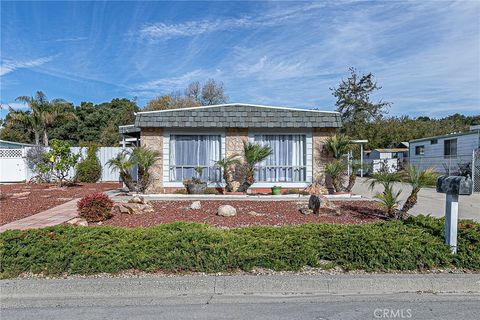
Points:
287	163
434	141
450	148
190	151
419	150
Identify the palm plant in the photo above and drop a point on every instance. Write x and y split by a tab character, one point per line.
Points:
353	175
384	178
41	115
417	179
389	200
123	163
335	169
338	145
144	158
226	165
253	153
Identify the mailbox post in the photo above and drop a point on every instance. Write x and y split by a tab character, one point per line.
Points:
453	186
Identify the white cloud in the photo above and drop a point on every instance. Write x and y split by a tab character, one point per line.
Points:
8	65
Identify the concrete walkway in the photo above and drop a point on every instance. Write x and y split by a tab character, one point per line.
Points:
47	218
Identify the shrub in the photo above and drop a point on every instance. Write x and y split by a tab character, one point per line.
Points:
58	161
89	169
35	158
416	244
211	191
95	207
180	191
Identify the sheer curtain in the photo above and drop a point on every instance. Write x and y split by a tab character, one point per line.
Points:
287	161
190	151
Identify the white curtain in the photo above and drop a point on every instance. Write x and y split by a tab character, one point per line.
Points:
287	161
190	151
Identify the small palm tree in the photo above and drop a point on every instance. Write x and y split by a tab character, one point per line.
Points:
384	178
145	159
123	163
226	165
253	153
389	200
335	169
338	145
353	175
417	179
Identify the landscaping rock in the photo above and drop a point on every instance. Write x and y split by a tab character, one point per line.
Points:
306	211
78	222
226	211
20	194
235	185
138	199
255	214
196	205
132	208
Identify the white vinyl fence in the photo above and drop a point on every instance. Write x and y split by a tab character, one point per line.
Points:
13	164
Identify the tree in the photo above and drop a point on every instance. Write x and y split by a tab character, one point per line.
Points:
41	115
354	102
253	154
389	200
213	93
338	145
335	169
159	103
145	159
58	161
123	164
417	179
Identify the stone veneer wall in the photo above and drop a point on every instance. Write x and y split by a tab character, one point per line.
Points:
320	156
234	139
152	138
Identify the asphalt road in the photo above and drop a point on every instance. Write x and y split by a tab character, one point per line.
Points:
285	296
429	201
393	306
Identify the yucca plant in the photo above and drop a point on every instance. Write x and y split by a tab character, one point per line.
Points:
226	165
335	169
123	163
389	200
253	153
417	179
145	158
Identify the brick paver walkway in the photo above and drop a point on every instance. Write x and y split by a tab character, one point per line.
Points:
50	217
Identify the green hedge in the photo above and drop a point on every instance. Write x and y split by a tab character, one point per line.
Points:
414	245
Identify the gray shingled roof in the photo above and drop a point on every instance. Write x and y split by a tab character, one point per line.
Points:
238	116
128	129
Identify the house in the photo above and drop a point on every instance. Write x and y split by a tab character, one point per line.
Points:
448	154
200	136
392	158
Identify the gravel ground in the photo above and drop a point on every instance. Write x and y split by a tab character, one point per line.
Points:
21	200
274	213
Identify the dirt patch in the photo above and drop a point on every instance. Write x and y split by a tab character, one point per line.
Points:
273	213
22	200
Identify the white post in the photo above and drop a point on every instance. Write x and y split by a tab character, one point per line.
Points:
123	142
361	160
451	221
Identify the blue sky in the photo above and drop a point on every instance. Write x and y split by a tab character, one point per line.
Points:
426	55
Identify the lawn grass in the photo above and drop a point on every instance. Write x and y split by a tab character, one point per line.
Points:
416	244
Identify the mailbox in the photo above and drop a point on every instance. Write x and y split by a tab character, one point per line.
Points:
455	185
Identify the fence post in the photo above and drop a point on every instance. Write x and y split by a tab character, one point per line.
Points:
473	170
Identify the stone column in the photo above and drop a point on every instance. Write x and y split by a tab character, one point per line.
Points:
320	155
234	139
152	138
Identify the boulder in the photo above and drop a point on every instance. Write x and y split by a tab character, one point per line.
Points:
78	222
138	199
306	211
226	211
132	208
235	185
196	205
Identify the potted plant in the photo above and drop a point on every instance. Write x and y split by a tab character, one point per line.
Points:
276	190
196	185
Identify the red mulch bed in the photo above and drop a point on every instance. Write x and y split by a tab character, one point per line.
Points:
276	213
22	200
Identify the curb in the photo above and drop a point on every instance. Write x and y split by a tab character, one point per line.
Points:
163	286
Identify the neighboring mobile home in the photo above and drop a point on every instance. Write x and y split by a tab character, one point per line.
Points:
392	159
200	136
446	154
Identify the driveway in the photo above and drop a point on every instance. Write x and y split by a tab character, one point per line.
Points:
429	201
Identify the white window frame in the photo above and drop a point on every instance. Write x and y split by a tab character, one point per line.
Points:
308	149
167	132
